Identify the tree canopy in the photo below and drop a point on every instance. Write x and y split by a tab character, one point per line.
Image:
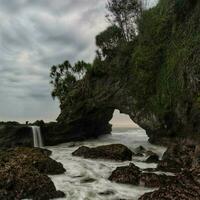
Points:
124	14
64	77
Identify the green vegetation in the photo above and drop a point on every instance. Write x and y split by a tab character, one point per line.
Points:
153	57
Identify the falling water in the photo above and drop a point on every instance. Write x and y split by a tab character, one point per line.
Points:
37	136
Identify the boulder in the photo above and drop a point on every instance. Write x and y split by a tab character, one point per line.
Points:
34	157
185	186
133	175
23	174
116	152
127	175
196	160
153	180
20	182
177	157
140	150
154	158
14	134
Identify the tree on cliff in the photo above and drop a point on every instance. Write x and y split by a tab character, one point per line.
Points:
64	77
124	14
108	40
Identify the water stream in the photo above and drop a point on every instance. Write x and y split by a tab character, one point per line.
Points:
87	179
37	136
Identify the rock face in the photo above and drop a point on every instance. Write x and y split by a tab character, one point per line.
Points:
133	175
117	152
177	157
12	135
23	174
186	186
152	180
149	79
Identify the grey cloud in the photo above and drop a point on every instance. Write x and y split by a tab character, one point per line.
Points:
34	35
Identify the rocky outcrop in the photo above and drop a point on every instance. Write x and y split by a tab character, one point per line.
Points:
127	175
34	157
154	79
153	180
23	174
133	175
14	134
117	152
185	186
177	157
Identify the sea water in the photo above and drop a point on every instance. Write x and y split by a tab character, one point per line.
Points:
87	179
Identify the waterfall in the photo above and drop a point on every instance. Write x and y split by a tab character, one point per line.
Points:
37	136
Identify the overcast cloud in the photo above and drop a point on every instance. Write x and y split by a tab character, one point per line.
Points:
34	35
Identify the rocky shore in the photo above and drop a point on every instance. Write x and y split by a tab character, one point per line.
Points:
182	159
23	174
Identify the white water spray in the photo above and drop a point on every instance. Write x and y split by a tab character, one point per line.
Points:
37	136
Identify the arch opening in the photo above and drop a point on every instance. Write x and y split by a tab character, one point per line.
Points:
120	120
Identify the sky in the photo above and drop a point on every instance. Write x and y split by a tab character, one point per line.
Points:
34	35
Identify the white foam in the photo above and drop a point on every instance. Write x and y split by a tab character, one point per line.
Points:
78	169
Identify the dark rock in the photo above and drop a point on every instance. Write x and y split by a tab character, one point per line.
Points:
149	170
127	175
196	160
176	158
113	152
154	180
20	178
140	150
35	157
154	158
138	155
13	135
88	180
107	193
185	186
23	182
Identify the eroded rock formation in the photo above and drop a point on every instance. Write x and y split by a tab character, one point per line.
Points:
23	174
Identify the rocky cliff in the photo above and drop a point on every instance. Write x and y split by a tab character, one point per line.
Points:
154	79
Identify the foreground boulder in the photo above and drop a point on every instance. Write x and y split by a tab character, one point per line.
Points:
153	158
177	157
185	186
34	157
127	175
20	182
152	180
116	152
23	174
133	175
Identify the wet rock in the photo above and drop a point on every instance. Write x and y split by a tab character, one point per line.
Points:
88	180
35	157
19	182
14	134
112	152
127	175
185	186
138	155
154	158
196	160
20	178
176	158
140	150
149	170
155	180
107	193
